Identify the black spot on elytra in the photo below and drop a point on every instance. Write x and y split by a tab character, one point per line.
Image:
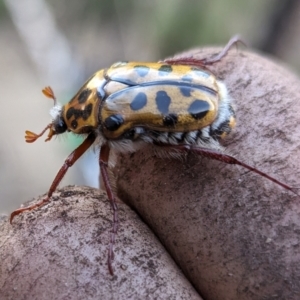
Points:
113	122
78	113
162	102
165	70
170	120
198	109
83	96
139	101
141	70
185	91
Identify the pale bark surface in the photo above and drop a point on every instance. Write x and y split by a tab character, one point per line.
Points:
60	252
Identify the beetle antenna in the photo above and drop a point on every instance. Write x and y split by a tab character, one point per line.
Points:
48	92
31	137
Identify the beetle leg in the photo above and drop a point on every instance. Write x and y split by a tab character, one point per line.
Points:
233	41
103	161
202	63
228	159
71	159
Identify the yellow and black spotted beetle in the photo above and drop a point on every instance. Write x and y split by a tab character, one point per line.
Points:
176	105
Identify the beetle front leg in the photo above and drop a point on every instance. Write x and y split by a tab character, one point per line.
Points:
228	159
69	162
103	161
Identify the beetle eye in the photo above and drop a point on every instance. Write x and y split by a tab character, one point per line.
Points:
60	126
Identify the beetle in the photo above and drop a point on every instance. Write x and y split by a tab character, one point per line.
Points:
177	105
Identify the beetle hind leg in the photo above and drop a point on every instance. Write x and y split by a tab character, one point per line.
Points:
202	63
228	159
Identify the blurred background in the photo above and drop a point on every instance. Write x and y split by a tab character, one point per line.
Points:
61	43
